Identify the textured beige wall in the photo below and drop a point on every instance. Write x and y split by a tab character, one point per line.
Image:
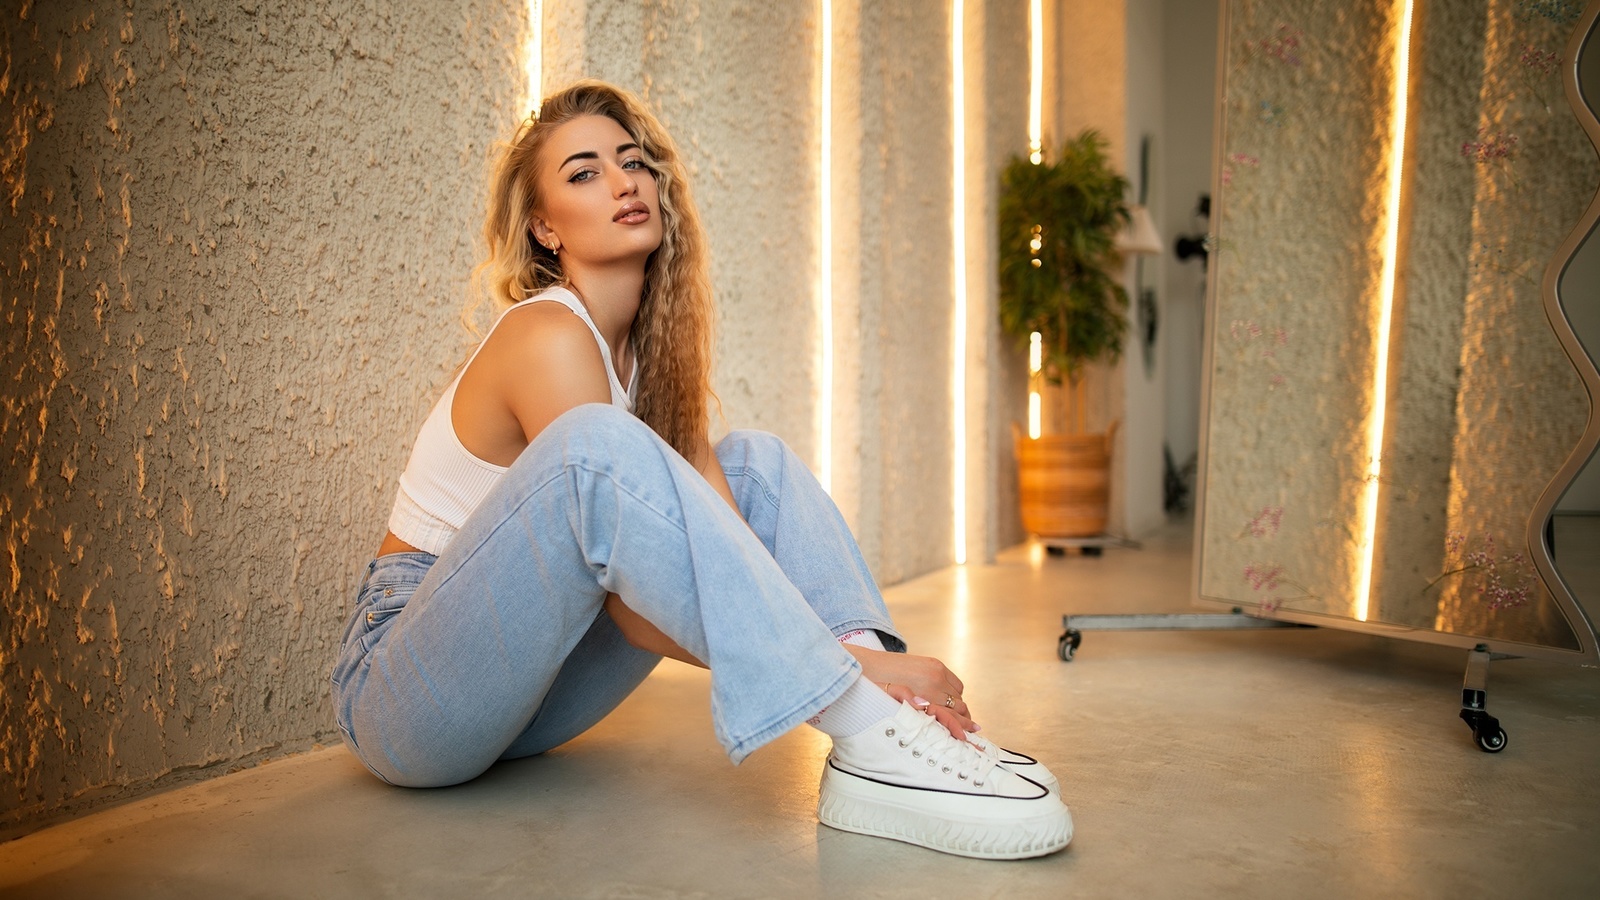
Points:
1300	217
233	242
1521	406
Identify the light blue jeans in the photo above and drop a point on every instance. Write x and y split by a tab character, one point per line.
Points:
499	647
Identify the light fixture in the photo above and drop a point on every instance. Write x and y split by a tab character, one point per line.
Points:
1035	366
824	423
1036	82
958	223
1035	156
1386	282
1139	236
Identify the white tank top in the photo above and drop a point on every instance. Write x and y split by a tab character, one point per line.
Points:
443	481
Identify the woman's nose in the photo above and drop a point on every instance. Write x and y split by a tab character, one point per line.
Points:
624	184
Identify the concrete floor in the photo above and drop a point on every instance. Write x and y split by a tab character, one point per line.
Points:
1309	763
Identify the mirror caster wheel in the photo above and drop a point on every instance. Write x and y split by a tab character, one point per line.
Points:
1093	551
1071	639
1486	730
1053	550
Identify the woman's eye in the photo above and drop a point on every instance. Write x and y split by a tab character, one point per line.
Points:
581	176
636	164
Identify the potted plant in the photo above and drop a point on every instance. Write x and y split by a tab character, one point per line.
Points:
1059	220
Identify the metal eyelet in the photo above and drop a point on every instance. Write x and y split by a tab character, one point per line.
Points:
388	592
977	784
371	619
945	770
932	763
902	744
962	776
916	754
889	732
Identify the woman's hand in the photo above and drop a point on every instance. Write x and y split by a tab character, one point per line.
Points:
922	681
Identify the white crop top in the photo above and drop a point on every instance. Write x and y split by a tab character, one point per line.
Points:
443	482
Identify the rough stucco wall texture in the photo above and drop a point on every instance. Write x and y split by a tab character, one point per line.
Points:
233	240
906	286
1521	407
1300	217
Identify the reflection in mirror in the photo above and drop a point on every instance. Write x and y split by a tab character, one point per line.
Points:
1575	523
1386	400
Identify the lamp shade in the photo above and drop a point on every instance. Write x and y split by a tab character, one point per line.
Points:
1140	236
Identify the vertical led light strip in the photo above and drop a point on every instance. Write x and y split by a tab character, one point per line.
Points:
1035	365
825	276
1036	83
534	65
1036	156
958	223
1380	367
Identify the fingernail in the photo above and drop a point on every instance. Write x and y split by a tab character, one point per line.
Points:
919	702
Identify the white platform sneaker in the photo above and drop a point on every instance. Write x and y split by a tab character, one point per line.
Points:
907	779
1020	763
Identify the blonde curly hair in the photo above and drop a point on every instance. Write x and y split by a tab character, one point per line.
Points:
672	332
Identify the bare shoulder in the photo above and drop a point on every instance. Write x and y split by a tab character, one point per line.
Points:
541	341
540	361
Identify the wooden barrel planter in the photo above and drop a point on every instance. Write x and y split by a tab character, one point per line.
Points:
1065	483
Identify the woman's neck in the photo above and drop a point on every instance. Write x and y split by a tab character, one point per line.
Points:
612	295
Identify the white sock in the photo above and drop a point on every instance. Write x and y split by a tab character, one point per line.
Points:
861	706
862	637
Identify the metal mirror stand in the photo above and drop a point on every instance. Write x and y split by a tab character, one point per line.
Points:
1487	731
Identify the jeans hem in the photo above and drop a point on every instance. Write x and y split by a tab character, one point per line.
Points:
743	747
896	642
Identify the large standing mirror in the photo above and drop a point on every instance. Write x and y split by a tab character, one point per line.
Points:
1395	434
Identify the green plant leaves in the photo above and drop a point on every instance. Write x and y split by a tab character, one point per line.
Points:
1058	225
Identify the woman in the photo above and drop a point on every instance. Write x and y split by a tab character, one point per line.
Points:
564	522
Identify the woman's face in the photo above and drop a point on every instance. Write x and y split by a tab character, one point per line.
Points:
599	205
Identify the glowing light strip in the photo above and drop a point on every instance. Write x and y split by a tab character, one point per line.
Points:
1035	363
1036	84
825	277
534	66
1380	369
958	221
1036	156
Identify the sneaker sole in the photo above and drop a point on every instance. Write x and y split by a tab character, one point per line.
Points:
852	803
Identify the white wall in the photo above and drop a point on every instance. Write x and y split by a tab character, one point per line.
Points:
1144	387
1189	62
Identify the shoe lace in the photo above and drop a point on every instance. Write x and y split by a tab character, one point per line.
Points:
931	743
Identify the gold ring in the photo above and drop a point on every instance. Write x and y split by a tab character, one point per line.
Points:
950	702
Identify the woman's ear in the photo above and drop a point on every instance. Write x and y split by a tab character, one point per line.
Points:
546	237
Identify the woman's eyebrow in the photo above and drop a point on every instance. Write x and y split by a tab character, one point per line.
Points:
585	154
590	154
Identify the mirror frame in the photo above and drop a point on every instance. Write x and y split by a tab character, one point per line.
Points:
1588	652
1584	453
